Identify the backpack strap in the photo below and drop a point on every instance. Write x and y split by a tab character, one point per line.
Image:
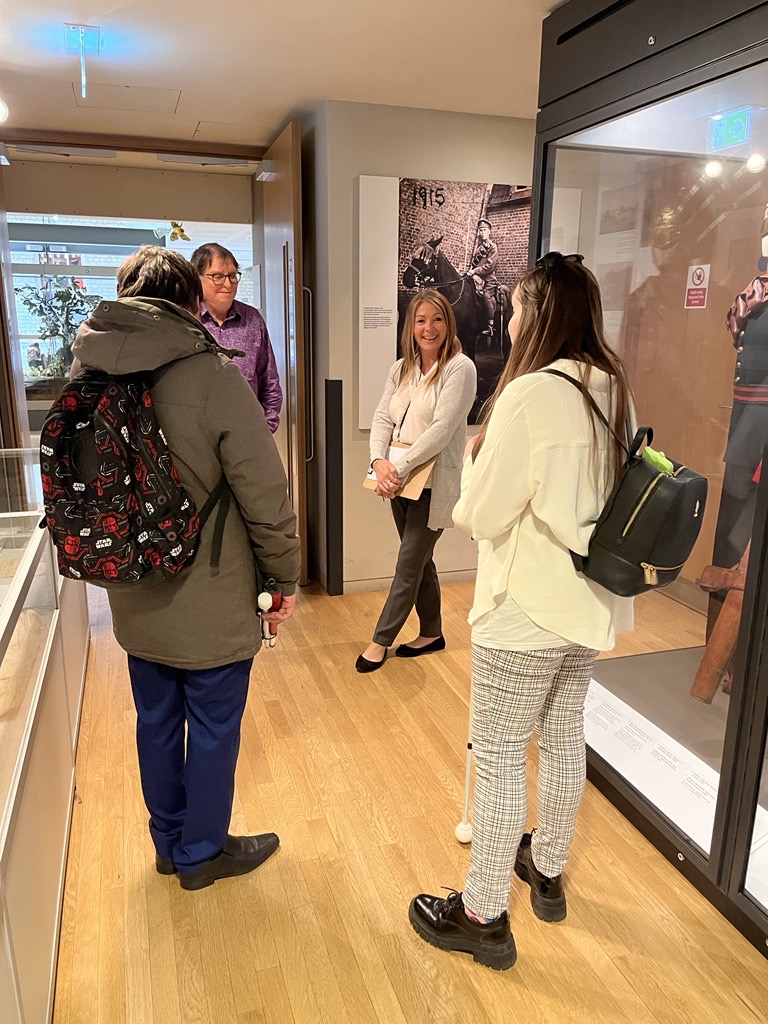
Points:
631	448
221	496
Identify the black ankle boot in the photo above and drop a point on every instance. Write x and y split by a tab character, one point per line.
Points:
443	923
547	896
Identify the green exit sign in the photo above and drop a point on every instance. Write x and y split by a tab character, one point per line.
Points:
727	130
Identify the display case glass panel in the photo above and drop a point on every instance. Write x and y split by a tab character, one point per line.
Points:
27	603
668	205
756	884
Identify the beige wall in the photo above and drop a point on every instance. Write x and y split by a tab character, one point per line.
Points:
95	191
342	142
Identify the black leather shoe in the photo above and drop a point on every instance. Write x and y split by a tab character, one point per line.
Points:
547	896
443	923
240	855
363	665
404	651
164	865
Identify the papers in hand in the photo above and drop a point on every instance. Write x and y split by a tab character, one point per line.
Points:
392	455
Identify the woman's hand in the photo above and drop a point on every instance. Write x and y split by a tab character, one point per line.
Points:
388	479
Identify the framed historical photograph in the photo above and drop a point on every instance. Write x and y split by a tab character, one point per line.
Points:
468	240
618	209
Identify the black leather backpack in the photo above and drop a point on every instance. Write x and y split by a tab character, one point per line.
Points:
650	521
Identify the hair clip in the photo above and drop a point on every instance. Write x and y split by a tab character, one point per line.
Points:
550	260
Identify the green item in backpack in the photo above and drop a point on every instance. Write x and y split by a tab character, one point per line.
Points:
658	460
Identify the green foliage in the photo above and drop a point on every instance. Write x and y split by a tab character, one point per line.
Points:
60	305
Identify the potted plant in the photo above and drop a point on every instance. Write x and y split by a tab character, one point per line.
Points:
61	305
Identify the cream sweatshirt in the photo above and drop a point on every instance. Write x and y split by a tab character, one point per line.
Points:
530	496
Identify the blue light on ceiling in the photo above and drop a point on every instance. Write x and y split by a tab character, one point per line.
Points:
84	41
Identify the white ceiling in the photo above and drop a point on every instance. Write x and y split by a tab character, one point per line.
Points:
237	71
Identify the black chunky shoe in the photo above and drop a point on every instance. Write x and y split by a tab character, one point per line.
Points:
240	855
443	923
547	896
164	865
404	651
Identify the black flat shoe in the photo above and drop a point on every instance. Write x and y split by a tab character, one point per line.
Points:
240	855
164	865
404	651
363	665
443	923
547	896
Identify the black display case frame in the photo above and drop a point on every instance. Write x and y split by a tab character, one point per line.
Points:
586	81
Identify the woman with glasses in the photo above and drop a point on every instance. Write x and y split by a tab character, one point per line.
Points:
236	325
535	480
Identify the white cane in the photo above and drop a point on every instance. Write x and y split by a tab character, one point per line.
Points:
463	831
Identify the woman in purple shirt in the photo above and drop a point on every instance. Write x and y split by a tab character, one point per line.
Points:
236	325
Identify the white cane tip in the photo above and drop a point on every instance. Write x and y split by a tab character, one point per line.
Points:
463	832
264	601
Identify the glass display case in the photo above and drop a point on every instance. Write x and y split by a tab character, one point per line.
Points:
43	651
667	200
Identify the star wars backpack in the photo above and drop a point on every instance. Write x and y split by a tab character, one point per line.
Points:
114	504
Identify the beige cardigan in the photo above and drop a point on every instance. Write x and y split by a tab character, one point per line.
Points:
530	497
445	437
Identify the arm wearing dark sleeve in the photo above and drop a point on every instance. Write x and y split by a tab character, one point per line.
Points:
255	475
487	265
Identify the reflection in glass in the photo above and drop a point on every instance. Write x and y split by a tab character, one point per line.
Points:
756	884
22	659
669	206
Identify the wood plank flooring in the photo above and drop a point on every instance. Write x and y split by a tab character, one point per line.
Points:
362	777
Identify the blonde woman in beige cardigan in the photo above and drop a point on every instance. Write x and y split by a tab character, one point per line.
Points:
426	401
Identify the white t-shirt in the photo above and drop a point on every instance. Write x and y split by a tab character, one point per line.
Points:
412	406
507	628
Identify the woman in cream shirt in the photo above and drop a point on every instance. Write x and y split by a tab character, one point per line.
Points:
534	482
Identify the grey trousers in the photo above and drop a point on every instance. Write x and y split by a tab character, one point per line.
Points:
415	581
514	692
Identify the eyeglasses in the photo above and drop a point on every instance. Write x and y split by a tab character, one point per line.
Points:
550	260
221	278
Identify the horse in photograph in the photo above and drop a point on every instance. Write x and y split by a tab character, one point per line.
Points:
430	268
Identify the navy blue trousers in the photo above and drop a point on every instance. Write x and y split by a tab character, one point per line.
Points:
188	738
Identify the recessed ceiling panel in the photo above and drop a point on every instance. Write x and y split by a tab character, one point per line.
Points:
128	97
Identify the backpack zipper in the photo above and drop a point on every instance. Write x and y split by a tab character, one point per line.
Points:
651	572
645	496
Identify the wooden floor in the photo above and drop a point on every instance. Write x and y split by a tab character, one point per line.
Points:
362	777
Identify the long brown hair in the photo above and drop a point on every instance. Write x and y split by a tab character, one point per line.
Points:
562	318
411	354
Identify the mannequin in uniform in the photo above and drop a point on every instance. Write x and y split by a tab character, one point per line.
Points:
747	322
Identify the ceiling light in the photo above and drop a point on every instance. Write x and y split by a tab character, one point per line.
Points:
83	40
202	161
4	111
713	169
68	151
756	163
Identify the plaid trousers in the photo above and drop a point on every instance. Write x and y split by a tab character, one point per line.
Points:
513	692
